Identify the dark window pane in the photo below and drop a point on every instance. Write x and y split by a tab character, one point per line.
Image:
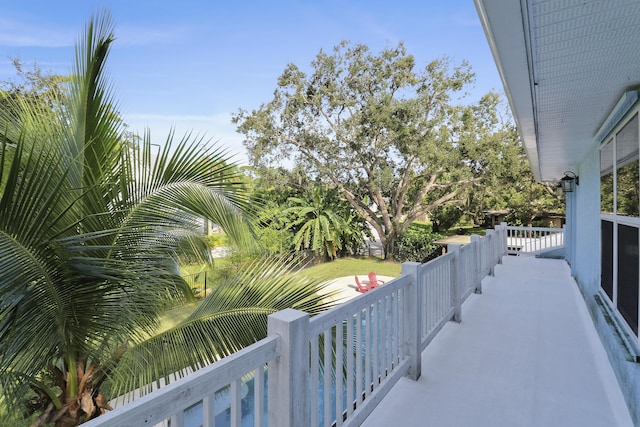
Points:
628	274
607	258
627	182
606	178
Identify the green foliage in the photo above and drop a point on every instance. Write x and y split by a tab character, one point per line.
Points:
507	180
445	216
299	214
273	230
34	86
233	316
385	134
416	244
324	223
352	266
215	240
627	189
91	229
606	193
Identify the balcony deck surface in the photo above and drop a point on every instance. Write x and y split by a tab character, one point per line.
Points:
525	354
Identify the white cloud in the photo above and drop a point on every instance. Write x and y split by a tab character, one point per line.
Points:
379	29
216	127
18	34
133	35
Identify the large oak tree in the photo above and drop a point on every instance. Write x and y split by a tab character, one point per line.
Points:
393	139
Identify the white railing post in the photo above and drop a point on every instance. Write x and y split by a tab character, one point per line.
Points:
289	372
504	241
477	274
456	288
411	318
490	234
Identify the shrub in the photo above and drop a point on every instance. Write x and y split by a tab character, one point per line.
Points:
416	244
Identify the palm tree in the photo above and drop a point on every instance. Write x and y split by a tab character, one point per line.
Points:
318	223
325	223
233	316
90	231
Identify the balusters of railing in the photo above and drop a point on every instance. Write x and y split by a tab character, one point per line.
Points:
351	397
258	398
236	403
520	240
436	308
315	378
362	347
368	353
178	419
362	356
339	373
326	370
359	368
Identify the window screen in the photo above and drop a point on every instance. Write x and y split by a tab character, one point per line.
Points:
607	258
606	178
628	274
627	181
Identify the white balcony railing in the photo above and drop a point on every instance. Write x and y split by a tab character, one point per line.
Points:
334	368
533	240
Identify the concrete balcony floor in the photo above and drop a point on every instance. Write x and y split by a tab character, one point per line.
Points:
525	354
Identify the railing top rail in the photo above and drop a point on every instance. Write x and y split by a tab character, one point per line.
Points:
325	320
170	400
437	261
522	228
155	407
470	246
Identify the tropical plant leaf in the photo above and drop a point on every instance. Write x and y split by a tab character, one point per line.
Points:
232	317
91	227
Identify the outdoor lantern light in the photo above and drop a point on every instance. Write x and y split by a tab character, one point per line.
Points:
567	182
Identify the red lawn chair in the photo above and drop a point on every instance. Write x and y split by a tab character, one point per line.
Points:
362	287
373	280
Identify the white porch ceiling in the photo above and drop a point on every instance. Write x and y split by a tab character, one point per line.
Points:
564	64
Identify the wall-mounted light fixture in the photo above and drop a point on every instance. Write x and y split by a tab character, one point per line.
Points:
569	181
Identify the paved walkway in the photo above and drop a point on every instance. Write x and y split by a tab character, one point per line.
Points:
525	354
344	288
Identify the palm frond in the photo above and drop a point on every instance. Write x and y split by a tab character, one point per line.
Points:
230	318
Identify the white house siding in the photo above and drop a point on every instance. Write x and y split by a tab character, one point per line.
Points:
586	266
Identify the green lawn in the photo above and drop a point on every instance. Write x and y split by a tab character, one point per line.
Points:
353	266
326	271
174	316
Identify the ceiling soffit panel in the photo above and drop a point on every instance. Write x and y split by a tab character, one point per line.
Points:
582	57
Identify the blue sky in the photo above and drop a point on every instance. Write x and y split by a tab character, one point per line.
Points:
191	64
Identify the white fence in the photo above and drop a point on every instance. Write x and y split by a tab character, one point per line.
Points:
332	369
533	240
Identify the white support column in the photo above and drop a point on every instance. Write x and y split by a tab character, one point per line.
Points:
411	318
569	229
289	373
456	293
